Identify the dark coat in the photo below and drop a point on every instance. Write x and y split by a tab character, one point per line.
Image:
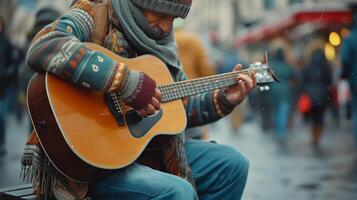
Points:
317	78
349	57
7	70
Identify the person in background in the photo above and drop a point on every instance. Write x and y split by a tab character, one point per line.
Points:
7	72
316	83
281	94
349	64
44	16
192	53
231	57
195	63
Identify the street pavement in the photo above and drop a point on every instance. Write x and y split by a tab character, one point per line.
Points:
293	169
278	170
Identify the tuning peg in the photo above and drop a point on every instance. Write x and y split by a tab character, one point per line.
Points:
259	76
264	88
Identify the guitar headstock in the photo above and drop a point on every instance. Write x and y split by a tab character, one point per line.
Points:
263	74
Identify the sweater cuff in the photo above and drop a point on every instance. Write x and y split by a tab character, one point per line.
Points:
119	78
224	101
221	104
137	90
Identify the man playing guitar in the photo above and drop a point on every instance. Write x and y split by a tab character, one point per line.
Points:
170	167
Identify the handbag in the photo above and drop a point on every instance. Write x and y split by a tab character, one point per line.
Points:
304	103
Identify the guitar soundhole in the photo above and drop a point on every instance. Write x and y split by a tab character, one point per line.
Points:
139	128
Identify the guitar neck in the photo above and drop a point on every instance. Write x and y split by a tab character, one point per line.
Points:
185	88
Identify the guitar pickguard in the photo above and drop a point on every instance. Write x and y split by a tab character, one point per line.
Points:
142	127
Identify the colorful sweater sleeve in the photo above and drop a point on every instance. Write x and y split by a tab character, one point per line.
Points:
205	108
58	49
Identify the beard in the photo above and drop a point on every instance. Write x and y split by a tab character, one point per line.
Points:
159	32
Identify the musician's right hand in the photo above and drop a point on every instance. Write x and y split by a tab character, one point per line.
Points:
153	106
144	97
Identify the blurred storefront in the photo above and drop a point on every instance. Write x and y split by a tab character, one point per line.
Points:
298	29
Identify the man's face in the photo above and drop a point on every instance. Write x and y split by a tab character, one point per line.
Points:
162	23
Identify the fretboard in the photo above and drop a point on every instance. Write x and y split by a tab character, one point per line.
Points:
185	88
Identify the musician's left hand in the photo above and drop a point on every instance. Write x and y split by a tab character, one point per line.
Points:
246	82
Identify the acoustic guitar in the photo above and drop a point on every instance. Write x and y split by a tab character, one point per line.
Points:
87	134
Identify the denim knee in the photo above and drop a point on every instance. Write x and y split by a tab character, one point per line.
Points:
180	189
236	165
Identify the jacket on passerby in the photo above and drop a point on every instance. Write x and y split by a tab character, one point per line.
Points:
317	78
43	17
192	55
7	70
349	57
282	91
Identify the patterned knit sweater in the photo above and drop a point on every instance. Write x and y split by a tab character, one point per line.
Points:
58	49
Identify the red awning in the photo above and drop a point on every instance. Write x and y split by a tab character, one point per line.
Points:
269	30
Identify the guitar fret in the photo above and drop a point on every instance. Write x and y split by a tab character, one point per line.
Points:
181	89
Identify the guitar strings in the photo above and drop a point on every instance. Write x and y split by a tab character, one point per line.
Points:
198	81
180	89
186	88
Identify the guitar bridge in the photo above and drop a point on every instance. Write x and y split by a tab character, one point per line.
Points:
113	103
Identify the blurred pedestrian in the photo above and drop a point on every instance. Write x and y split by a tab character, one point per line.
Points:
6	80
44	16
281	94
317	81
349	64
231	57
192	53
195	63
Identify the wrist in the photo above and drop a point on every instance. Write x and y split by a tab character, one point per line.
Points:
119	78
226	100
138	90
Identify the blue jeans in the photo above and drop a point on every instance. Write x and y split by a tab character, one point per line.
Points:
281	118
219	171
3	109
354	115
5	103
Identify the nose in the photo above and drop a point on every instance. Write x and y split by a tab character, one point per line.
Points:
166	24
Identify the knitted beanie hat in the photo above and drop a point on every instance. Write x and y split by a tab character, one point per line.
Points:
177	8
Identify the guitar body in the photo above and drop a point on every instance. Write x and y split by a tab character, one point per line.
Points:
78	131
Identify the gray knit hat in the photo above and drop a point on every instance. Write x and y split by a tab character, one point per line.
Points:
177	8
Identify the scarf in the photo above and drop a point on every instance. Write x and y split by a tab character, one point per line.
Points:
143	37
146	40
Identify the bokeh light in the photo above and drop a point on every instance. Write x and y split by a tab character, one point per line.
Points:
330	52
335	39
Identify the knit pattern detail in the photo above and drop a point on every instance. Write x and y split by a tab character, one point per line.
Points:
139	90
216	103
177	8
84	21
122	71
58	49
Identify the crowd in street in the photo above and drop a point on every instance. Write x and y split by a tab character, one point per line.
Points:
310	88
